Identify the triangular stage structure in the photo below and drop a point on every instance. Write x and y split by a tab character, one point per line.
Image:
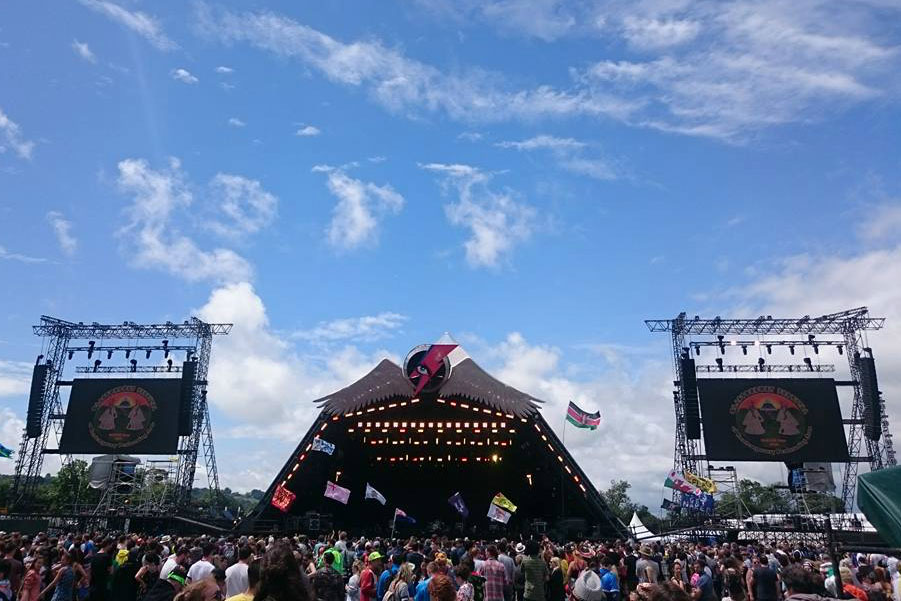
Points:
419	434
638	531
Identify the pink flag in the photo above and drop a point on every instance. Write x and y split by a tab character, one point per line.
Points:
333	491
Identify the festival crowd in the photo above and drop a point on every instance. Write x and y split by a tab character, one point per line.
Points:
96	567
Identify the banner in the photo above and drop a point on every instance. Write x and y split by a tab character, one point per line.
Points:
372	493
7	453
582	419
322	445
457	501
122	415
282	498
702	502
498	515
399	514
819	477
501	501
333	491
677	482
670	506
792	420
705	484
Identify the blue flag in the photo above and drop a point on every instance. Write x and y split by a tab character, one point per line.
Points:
4	452
457	501
324	446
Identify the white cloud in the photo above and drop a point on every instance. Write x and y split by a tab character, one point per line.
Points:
308	130
543	141
568	154
12	138
62	227
245	205
5	255
152	241
82	50
224	70
470	136
15	377
146	26
235	122
11	426
546	20
656	34
361	206
497	222
366	328
184	76
881	223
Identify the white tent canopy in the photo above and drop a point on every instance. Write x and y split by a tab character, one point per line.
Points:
639	531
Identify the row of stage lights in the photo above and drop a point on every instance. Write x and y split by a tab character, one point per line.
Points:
91	349
811	341
448	442
477	427
493	458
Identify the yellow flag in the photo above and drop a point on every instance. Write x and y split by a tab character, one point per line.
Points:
501	501
705	484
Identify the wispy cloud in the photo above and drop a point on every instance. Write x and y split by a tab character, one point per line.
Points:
360	209
568	154
5	255
362	329
62	228
222	70
82	50
496	221
244	207
12	138
308	131
146	26
235	122
183	75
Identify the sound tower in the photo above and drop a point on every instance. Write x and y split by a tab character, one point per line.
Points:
692	408
869	394
33	420
186	405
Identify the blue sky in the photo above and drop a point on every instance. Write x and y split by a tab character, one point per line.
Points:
537	177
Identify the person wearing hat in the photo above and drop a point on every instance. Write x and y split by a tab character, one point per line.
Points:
368	578
646	568
588	587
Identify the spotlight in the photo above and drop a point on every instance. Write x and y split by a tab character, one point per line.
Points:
791	348
769	349
697	350
169	363
109	355
147	354
71	353
722	346
809	363
38	360
760	362
744	349
529	478
719	363
134	365
841	350
810	337
816	349
90	348
165	348
97	363
128	353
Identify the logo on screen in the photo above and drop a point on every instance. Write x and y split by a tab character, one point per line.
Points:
122	417
770	420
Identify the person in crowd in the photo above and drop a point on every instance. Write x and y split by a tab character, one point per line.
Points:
465	591
441	588
609	577
422	589
798	584
281	578
647	570
16	567
387	576
6	587
369	577
556	589
31	583
328	585
519	577
200	570
203	590
509	566
763	582
148	574
175	559
101	568
495	575
253	583
66	579
535	572
703	587
236	575
587	586
352	588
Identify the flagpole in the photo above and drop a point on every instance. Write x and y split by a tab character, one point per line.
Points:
562	492
393	523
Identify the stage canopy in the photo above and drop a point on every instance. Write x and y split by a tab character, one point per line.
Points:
419	435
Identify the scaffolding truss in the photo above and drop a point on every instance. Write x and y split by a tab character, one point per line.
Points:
62	342
849	325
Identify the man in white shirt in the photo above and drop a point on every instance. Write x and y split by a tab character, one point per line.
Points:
175	559
203	568
236	576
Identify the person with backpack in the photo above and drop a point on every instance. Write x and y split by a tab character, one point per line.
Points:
399	589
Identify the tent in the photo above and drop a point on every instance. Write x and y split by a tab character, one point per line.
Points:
879	498
639	531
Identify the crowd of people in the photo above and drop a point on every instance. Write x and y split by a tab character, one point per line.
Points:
96	567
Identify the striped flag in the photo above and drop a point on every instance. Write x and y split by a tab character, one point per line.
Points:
4	452
333	491
582	419
399	514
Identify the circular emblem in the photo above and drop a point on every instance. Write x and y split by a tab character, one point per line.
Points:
122	417
770	420
426	375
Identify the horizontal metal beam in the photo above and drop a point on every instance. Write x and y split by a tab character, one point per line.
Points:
820	368
834	323
134	348
192	328
123	369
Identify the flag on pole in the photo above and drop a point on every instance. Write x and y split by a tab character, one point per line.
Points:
4	452
323	445
399	514
670	506
372	493
677	482
705	484
582	419
333	491
457	501
282	498
498	515
501	501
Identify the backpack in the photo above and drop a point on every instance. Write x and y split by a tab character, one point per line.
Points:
478	587
389	594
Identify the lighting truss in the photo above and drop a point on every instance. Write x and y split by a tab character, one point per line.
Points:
833	323
126	369
803	368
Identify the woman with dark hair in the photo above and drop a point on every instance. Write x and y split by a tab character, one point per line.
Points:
281	578
465	591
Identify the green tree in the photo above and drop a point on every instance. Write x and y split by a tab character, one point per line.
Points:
70	486
617	498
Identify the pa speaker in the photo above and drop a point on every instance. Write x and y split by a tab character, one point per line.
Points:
186	406
33	420
691	407
869	394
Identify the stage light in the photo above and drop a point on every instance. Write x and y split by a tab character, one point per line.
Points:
109	354
97	363
760	363
90	348
134	365
71	353
722	346
128	353
719	363
769	349
697	350
791	348
733	342
810	337
809	363
494	458
337	475
744	349
841	350
165	348
169	363
147	354
816	349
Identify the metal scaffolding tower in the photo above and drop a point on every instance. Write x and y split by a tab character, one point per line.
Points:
847	329
194	338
